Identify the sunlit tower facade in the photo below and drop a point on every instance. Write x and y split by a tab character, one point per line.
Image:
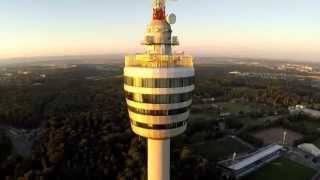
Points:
158	87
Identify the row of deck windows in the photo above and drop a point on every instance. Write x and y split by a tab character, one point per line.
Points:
158	99
159	126
159	82
158	112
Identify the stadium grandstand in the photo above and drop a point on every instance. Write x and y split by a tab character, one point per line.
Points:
241	166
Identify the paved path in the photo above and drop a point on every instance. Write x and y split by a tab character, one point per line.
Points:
316	177
243	142
21	139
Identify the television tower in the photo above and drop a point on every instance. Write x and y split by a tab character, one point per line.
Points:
158	88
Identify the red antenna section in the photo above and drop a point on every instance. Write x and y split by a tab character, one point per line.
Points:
159	10
159	14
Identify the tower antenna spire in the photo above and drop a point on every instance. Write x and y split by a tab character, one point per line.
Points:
159	9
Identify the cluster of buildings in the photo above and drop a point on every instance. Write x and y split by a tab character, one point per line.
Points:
20	77
296	67
282	76
301	109
236	168
310	149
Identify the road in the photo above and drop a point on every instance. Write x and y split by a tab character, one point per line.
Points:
21	139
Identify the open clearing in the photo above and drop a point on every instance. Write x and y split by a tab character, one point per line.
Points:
282	168
220	149
234	107
275	135
311	125
317	143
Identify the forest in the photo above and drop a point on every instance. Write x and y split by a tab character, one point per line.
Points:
84	130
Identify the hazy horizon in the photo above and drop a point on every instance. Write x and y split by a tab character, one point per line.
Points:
112	58
255	29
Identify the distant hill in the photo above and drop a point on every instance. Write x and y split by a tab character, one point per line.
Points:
118	59
58	60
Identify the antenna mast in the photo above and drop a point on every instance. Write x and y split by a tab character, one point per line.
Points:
159	9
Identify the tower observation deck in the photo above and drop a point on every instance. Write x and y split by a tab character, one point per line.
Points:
158	88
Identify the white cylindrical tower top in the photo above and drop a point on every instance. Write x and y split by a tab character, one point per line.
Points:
159	84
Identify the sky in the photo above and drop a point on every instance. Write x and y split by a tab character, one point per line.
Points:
284	29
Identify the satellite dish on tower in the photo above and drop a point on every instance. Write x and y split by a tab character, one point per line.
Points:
172	18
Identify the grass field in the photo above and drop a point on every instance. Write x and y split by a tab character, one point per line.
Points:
203	116
200	112
250	121
234	107
220	149
275	135
317	143
311	125
282	169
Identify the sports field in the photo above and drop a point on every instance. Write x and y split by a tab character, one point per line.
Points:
220	149
234	107
311	125
282	169
317	143
275	135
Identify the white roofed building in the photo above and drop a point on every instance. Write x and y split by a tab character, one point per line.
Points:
310	148
298	109
251	162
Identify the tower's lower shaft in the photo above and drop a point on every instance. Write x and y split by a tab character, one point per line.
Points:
158	159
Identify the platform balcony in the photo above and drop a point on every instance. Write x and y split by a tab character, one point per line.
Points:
151	40
159	61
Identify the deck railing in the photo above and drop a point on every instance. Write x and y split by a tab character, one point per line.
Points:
156	61
150	40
